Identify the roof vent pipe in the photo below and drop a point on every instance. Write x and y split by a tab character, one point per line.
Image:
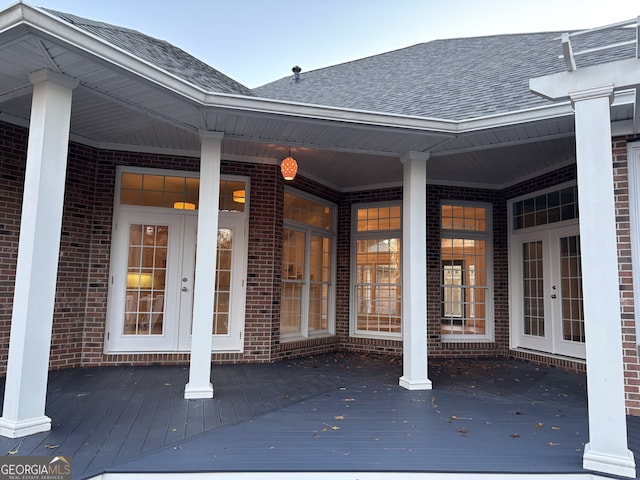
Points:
296	73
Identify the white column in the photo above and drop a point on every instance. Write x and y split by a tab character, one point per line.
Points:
200	385
414	272
607	448
37	265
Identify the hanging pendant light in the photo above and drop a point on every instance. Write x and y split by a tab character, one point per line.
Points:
289	167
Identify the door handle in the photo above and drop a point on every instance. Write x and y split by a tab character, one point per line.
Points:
184	289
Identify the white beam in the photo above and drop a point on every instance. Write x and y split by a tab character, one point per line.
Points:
567	53
37	267
621	74
414	272
200	385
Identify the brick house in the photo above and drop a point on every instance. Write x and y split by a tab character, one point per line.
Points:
495	174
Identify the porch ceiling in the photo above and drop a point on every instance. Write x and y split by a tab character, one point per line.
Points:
115	108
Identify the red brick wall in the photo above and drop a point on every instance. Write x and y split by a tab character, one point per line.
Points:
627	304
75	245
13	154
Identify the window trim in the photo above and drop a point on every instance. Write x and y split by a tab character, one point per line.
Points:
487	236
310	230
371	234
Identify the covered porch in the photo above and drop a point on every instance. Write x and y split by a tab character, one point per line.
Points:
81	87
331	413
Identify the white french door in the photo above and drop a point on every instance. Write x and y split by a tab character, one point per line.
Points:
228	308
151	296
547	313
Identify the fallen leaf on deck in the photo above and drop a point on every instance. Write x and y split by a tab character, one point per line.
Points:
51	447
463	431
553	444
517	413
339	417
453	417
515	435
555	428
539	425
348	399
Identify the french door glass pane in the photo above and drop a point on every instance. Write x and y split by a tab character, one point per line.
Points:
146	279
533	288
223	282
571	282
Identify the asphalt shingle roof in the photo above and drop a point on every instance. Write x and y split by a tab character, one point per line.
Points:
159	53
452	79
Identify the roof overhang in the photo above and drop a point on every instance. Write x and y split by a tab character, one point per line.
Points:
126	103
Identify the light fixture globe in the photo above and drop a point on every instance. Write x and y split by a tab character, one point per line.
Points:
289	168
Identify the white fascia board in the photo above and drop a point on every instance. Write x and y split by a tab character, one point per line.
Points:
546	112
620	74
11	16
320	112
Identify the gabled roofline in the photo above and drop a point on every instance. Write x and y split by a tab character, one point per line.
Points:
21	13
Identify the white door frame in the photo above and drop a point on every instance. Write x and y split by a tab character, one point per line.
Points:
553	342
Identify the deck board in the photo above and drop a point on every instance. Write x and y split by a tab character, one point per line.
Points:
327	413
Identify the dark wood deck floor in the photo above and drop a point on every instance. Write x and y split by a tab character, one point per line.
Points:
330	413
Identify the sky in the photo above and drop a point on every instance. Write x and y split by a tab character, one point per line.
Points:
259	41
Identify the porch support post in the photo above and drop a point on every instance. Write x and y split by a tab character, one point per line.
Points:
200	385
607	449
37	264
414	272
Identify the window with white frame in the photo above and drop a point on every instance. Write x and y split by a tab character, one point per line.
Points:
377	283
307	267
466	271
